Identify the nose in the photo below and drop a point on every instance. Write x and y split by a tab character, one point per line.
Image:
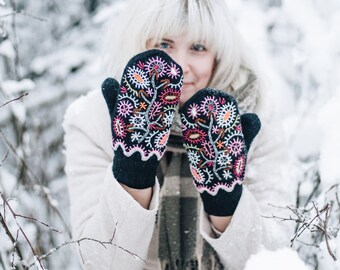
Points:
181	58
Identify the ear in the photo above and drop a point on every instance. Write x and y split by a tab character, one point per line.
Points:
110	88
251	126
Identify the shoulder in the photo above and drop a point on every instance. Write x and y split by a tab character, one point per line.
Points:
270	141
85	106
89	115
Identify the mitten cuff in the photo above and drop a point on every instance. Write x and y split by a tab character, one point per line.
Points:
134	172
223	203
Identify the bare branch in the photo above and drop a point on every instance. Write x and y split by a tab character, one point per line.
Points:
9	234
38	221
14	249
38	259
21	96
308	244
78	242
22	231
33	178
309	222
20	11
4	159
325	233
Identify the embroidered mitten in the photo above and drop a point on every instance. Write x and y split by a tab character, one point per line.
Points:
217	140
142	109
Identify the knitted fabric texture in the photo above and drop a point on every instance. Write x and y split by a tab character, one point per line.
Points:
216	147
181	245
246	96
142	115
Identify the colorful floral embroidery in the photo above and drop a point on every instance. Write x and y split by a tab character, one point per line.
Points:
173	71
146	104
214	141
194	111
138	77
156	65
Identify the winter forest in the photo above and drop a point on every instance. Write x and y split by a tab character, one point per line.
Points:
50	54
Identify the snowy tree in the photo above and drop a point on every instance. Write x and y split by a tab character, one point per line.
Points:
49	55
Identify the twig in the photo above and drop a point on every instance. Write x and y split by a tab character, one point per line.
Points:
335	186
307	244
103	243
38	221
10	236
35	179
22	232
14	249
15	42
38	259
4	159
309	223
20	11
25	94
326	235
297	202
315	189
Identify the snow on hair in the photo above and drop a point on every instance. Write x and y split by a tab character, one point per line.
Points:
205	21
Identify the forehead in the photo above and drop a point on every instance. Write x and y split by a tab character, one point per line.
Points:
174	18
183	33
180	39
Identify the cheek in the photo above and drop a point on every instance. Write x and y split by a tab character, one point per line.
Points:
206	70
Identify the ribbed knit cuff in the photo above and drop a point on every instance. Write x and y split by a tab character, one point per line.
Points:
134	172
223	203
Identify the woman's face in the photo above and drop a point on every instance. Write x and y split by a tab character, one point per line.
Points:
196	60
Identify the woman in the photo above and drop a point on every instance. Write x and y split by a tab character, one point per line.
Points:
166	222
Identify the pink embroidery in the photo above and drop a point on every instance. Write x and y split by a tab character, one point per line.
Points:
146	105
156	65
209	105
214	142
173	71
124	108
194	111
119	127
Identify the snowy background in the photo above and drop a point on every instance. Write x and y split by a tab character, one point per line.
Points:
50	50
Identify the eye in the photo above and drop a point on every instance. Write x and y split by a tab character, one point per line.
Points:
198	47
163	45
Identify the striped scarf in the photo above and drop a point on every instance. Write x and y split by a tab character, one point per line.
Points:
181	246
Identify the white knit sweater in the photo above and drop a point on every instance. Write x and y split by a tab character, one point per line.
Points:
100	206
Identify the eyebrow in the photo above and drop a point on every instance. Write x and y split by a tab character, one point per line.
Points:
168	40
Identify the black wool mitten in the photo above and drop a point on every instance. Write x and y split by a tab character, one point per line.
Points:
142	109
217	140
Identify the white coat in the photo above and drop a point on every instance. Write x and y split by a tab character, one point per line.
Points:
102	209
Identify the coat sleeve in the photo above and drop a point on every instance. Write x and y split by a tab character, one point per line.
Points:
267	190
100	208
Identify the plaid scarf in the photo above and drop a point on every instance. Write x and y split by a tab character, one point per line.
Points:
181	246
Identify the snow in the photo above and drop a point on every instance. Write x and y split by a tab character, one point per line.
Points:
295	43
107	12
6	49
282	259
11	87
325	261
19	111
61	62
9	185
328	121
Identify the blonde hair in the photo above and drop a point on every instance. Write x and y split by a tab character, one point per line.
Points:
204	20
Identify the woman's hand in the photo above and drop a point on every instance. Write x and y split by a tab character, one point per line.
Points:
217	139
142	108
